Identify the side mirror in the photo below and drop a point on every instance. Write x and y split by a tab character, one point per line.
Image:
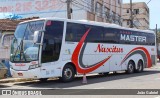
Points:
37	37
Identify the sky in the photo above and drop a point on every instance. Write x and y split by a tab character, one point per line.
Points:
154	6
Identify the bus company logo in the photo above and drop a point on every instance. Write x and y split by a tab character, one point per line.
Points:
34	62
19	64
133	38
103	49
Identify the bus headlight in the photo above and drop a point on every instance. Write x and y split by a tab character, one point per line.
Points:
33	66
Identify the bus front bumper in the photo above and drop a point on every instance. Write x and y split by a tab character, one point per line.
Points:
33	74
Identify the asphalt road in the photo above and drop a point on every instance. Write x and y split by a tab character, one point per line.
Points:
149	79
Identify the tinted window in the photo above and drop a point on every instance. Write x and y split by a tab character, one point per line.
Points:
99	34
75	32
95	34
52	41
111	35
151	39
136	38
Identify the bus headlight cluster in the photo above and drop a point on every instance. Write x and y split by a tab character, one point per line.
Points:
33	66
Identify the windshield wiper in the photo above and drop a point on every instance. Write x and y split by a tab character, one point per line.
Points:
21	51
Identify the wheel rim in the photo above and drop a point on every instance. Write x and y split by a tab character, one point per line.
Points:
131	68
68	73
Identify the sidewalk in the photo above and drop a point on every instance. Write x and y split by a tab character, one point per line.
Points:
8	80
156	66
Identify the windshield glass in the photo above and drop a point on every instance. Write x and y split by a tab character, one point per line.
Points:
22	46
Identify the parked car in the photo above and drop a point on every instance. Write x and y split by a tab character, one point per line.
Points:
3	71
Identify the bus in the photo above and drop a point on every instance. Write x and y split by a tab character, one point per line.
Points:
63	48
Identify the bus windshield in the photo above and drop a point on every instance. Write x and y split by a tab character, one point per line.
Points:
22	47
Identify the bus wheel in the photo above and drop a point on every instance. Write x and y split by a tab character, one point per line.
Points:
43	79
68	73
139	66
130	68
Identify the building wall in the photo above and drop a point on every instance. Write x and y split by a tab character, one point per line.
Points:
110	11
140	15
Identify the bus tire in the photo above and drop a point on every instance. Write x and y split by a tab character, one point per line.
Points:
130	67
68	73
139	66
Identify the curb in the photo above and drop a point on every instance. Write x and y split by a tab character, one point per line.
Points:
11	80
155	67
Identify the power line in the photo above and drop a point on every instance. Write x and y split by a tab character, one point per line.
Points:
140	23
57	10
76	3
149	2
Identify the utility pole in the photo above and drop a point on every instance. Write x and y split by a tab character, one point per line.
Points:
157	37
131	18
69	9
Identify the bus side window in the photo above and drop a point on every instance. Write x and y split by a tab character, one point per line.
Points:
74	32
52	41
151	38
110	35
70	35
95	35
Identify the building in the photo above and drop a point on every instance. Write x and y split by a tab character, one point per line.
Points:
94	10
8	27
109	11
140	15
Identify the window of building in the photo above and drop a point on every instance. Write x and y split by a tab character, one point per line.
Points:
106	10
92	5
99	9
136	11
127	10
128	22
119	1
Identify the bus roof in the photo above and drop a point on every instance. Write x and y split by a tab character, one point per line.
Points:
111	25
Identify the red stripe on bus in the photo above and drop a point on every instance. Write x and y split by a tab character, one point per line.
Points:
149	61
75	57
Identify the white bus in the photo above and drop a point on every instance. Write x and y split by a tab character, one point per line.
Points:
53	47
